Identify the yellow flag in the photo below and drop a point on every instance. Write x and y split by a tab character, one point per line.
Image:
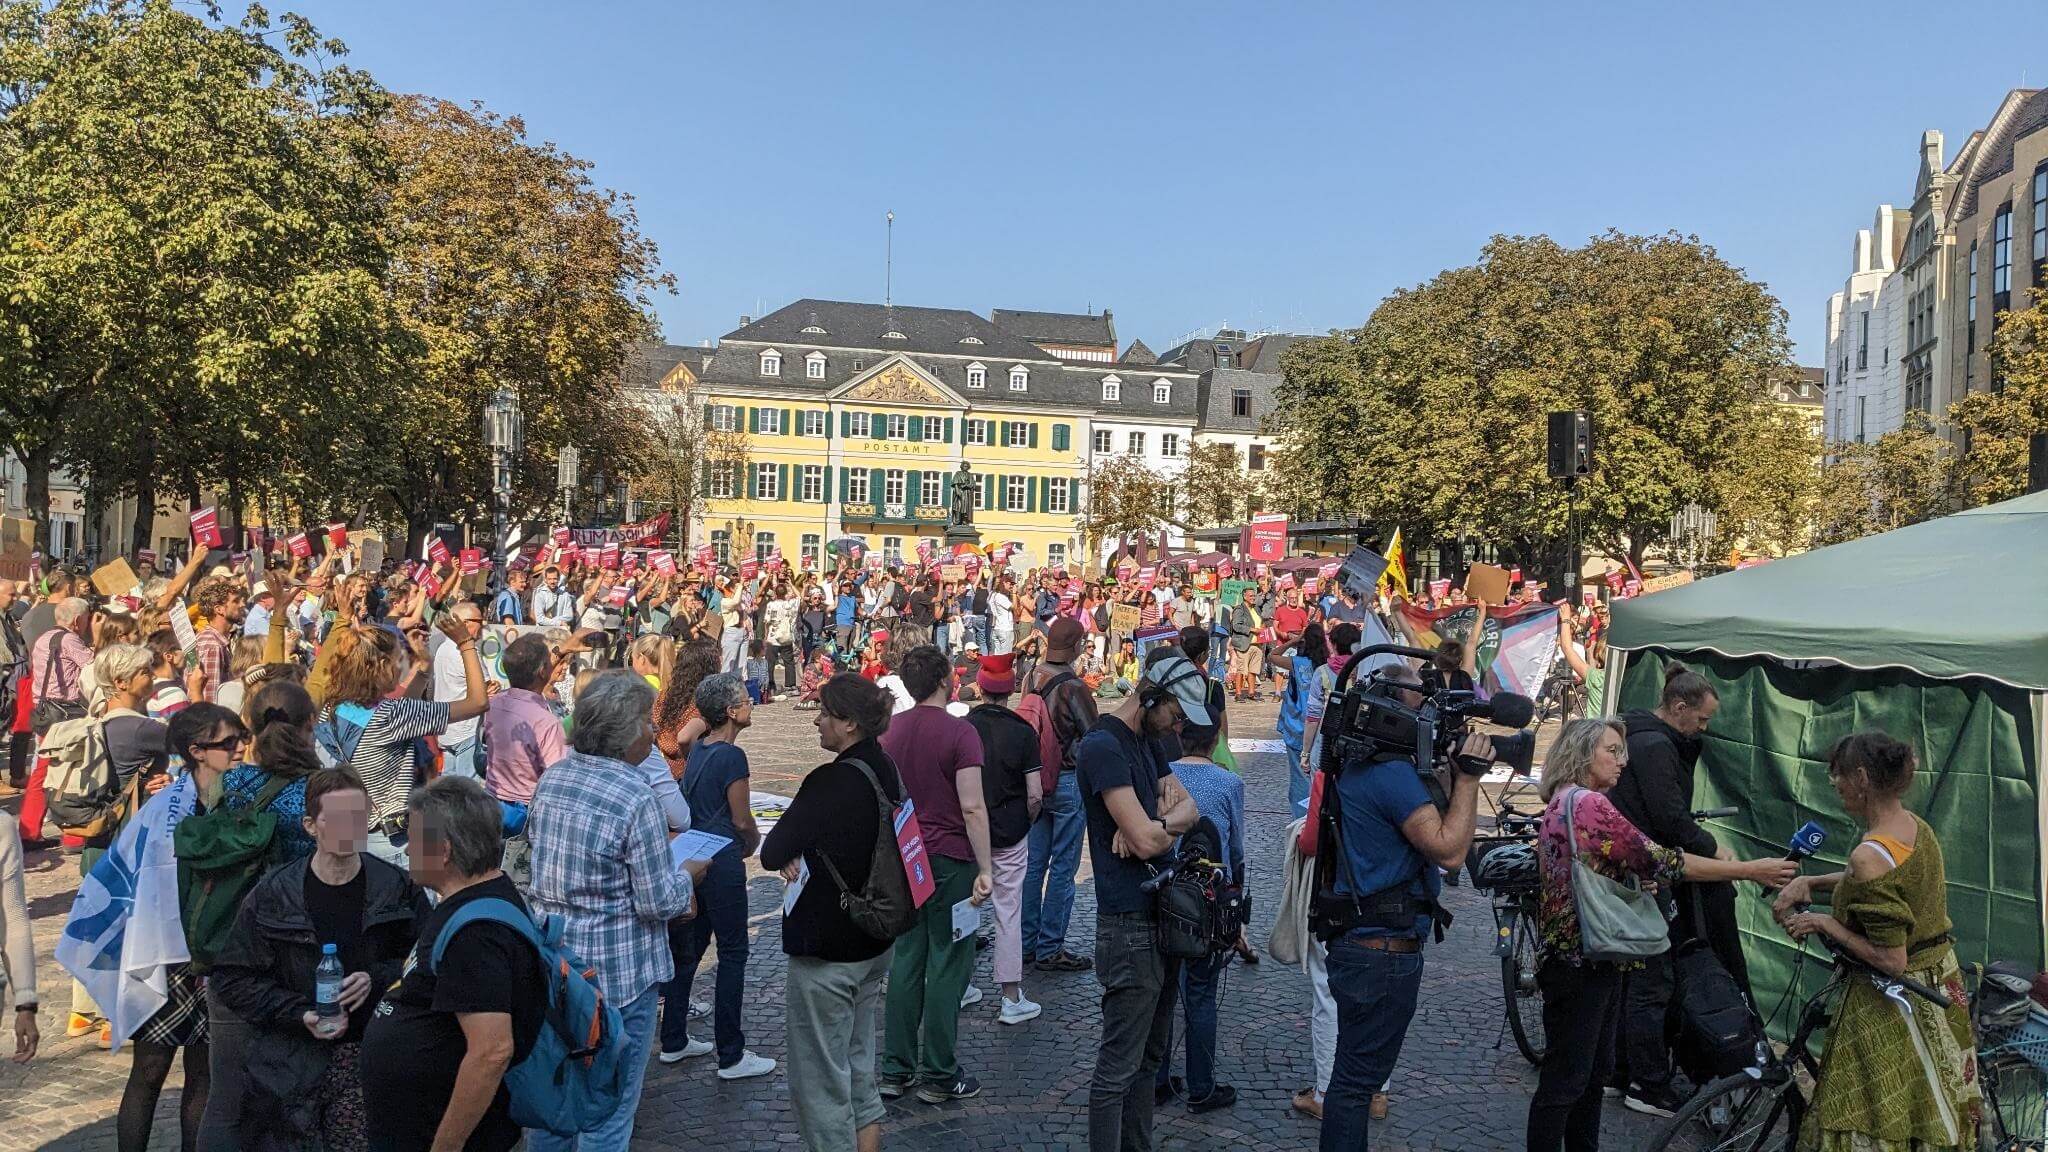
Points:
1395	578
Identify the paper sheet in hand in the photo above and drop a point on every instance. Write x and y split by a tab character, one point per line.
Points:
795	888
966	919
695	845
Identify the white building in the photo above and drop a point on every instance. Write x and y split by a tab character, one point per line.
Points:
1866	335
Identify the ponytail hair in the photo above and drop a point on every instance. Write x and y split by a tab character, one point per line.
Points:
1682	685
281	729
1887	763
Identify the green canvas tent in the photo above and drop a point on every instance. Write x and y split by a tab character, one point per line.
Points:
1936	634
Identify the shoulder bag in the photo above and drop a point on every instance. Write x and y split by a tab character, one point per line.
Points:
1617	921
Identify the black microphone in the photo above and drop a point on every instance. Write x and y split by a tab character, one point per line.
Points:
1507	709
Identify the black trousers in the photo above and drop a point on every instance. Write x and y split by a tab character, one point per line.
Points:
1581	1016
1705	912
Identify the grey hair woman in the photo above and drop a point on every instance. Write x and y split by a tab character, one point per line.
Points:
1582	996
614	715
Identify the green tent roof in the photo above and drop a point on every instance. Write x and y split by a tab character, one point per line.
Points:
1966	595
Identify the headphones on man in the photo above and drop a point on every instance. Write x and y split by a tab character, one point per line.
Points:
1151	694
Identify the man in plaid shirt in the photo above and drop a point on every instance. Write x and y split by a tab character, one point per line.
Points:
223	605
601	863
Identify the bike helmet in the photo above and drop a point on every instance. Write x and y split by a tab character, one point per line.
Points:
1507	866
2002	998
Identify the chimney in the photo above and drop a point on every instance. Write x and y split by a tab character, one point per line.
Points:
745	320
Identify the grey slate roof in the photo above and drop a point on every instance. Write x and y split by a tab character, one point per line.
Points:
647	364
853	325
1137	353
1058	327
2029	117
1217	387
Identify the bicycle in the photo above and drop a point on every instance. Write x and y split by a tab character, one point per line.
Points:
1760	1108
1514	883
2012	1061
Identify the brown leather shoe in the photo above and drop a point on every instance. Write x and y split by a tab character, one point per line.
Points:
1305	1102
1379	1106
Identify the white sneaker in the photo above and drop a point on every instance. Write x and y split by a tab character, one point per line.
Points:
693	1048
749	1066
971	996
1018	1011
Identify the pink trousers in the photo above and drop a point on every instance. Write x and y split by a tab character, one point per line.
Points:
1007	877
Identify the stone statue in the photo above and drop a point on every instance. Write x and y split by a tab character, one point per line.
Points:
963	498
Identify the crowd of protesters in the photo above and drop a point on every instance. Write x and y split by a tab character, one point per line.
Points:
395	773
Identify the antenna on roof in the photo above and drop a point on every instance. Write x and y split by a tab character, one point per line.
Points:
888	258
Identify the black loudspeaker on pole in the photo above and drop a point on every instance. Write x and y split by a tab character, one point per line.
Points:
2037	463
1570	458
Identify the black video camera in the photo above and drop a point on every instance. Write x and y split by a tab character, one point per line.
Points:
1369	720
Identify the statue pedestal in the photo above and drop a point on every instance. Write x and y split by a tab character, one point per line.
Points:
962	534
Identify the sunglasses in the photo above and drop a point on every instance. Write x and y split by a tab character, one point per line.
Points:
226	744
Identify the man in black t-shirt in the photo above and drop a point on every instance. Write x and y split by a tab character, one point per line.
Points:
437	1048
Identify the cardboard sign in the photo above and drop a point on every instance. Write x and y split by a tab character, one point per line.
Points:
953	573
1123	618
1234	590
337	535
298	545
472	561
1488	584
917	867
19	559
115	578
1361	571
1661	583
206	528
369	549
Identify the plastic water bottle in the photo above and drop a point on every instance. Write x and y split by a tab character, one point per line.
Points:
327	995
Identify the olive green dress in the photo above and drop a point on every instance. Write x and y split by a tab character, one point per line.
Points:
1899	1079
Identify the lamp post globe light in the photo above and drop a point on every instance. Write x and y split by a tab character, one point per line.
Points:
1692	529
502	432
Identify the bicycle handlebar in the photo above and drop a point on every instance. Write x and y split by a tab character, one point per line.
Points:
1889	985
1716	813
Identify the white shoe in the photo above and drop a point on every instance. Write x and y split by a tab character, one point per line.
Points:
971	996
693	1048
749	1066
1018	1011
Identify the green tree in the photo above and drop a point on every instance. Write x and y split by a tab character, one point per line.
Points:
1900	478
1124	498
1212	488
683	447
1998	424
1432	414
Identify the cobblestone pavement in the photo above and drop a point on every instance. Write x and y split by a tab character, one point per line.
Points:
1460	1085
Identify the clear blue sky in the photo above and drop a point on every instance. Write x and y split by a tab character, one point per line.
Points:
1190	163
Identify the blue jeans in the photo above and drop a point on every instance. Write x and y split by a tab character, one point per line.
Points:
617	1132
1297	780
1375	993
974	628
460	759
939	633
1198	1005
1054	858
721	912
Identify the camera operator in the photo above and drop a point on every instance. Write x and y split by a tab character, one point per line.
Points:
1393	840
1135	806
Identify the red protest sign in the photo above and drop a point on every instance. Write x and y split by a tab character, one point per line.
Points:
618	596
1329	570
562	535
608	556
1286	580
1438	589
924	551
704	557
429	580
337	535
1614	580
1148	576
662	561
1590	596
437	551
299	545
750	568
917	867
775	561
206	528
1265	538
472	561
1515	574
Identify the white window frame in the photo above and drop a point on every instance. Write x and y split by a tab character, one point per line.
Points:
814	423
811	547
977	376
1056	556
720	485
724	417
1112	389
1104	441
928	484
771	363
1169	444
766	416
897	425
893	487
892	551
814	366
1020	378
811	484
721	545
1162	392
975	432
764	543
933	430
1020	434
1134	444
767	482
1014	497
860	427
1058	496
857	486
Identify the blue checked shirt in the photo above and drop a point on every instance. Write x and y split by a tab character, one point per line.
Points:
601	863
1218	794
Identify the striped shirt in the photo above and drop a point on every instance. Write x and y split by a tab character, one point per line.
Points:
383	755
601	863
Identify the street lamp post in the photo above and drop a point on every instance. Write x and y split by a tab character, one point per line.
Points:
502	436
1692	529
566	462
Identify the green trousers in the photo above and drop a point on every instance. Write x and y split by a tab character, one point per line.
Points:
927	977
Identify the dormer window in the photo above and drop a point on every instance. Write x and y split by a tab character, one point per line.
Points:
1112	388
814	366
1162	392
970	339
812	330
893	334
771	363
1020	378
977	376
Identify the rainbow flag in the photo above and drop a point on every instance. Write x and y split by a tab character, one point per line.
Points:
1515	651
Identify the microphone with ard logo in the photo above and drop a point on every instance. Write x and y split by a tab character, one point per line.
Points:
1804	843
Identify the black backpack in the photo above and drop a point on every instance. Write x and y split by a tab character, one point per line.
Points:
1717	1030
883	908
1200	912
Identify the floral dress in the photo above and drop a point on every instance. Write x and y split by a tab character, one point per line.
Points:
1893	1079
1608	844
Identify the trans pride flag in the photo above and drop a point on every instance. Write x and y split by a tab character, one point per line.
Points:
1515	651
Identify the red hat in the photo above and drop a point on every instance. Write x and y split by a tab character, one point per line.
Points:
998	675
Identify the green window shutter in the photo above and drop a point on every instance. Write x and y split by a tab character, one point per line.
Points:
911	478
1059	437
949	430
845	425
789	425
753	419
917	427
878	487
782	483
1031	493
945	490
1003	433
704	480
1033	434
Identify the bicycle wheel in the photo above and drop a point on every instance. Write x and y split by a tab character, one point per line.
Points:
1518	986
2014	1117
1739	1113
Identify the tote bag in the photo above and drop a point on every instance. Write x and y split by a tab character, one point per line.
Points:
1617	921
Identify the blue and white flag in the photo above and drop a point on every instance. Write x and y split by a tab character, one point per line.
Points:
124	932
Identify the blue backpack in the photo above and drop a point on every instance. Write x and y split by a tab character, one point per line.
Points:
575	1077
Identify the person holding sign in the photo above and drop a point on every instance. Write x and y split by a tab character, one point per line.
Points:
716	783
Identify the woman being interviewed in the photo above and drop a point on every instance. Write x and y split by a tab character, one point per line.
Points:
1581	997
1890	1080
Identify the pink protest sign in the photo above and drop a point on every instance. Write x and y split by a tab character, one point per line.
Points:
917	867
206	528
299	545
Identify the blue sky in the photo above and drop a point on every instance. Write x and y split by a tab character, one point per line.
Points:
1190	164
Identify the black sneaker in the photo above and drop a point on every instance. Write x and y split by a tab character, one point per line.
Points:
962	1088
1651	1101
1065	961
892	1087
1221	1096
1161	1093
